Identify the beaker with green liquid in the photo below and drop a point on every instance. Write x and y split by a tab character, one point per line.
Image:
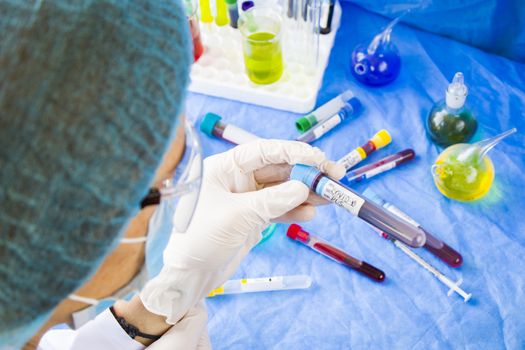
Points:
261	28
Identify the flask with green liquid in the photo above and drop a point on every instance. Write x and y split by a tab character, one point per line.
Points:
464	172
450	121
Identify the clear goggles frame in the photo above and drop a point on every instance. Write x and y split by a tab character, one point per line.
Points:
181	191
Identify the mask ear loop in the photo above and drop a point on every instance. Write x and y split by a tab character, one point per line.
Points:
134	240
78	298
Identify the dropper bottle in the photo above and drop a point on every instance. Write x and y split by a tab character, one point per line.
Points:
450	121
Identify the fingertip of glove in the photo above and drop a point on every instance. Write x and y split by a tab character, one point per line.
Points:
333	169
306	213
299	188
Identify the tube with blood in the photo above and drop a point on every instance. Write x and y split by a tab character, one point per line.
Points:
378	141
212	125
358	205
382	165
296	233
437	247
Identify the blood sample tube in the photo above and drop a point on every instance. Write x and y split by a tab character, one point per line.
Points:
358	205
350	109
378	141
211	125
437	247
327	110
296	233
382	165
191	8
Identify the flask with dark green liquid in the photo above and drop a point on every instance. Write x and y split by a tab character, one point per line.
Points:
450	121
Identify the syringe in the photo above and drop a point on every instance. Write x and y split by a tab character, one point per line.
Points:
263	284
330	108
211	125
351	108
358	205
378	141
437	247
454	286
297	233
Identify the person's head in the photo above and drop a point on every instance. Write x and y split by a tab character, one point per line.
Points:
90	91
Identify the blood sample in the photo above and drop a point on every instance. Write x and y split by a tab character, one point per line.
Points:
296	233
382	165
198	48
211	125
378	141
433	244
358	205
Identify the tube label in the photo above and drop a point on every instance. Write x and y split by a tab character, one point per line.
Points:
326	126
394	210
380	169
339	195
237	135
350	159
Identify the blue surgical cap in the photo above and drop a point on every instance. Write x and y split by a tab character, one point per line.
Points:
90	91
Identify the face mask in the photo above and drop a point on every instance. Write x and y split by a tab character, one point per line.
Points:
159	228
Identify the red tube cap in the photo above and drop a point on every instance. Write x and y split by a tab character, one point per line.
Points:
297	233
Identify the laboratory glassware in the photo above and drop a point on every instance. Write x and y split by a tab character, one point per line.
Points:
464	172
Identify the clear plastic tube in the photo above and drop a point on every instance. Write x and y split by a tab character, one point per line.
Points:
212	125
313	18
326	110
350	109
263	284
358	205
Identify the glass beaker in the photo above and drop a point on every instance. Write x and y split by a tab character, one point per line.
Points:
261	40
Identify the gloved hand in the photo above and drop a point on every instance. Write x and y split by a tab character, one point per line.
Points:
189	333
243	190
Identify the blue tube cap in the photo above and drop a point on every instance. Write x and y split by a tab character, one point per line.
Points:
304	173
356	104
208	123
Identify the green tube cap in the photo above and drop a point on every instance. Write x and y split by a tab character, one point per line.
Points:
304	124
208	123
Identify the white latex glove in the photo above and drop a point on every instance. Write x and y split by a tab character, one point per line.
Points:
242	192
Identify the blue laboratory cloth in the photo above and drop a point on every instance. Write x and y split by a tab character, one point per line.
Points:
493	25
410	310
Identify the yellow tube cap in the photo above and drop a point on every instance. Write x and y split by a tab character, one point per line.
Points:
381	139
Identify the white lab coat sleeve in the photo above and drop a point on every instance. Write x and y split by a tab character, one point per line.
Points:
189	333
102	333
